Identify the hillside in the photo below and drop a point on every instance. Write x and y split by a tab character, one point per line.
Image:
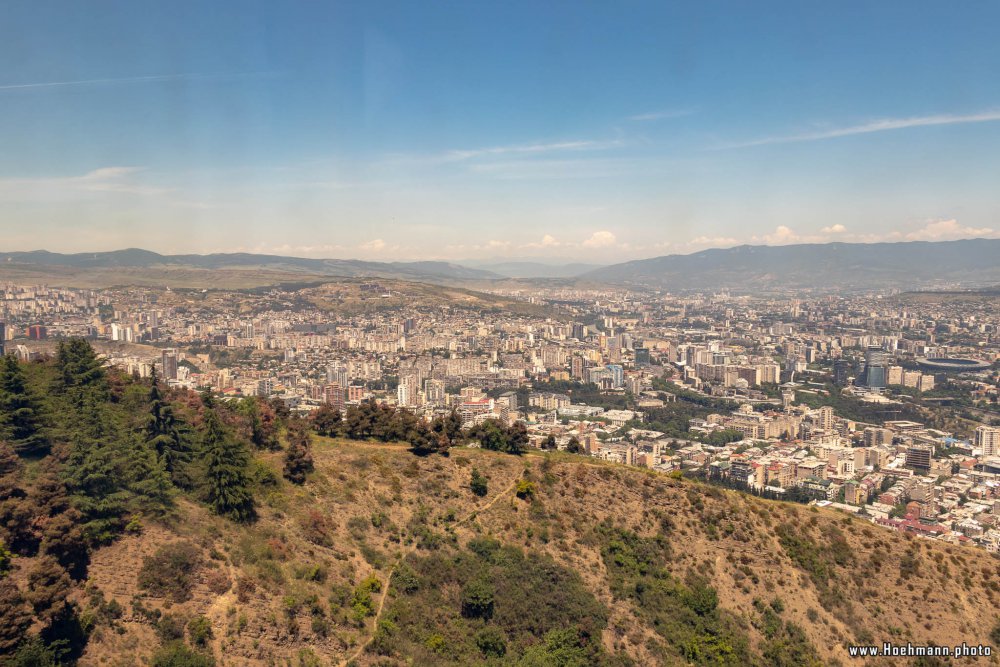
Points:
234	270
180	531
371	506
822	267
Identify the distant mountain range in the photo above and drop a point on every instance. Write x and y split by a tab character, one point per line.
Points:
137	258
528	269
827	266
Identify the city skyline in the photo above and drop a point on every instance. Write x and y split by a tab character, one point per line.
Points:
523	132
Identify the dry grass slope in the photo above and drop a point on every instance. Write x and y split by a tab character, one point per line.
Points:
310	582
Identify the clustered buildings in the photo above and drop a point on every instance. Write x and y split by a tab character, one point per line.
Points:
598	371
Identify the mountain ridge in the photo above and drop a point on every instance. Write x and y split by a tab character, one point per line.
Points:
836	265
140	258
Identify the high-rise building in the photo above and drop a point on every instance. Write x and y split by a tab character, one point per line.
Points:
875	375
617	375
434	391
3	338
988	440
333	394
37	332
169	364
826	418
918	457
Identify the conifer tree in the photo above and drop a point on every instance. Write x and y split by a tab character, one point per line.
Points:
298	459
226	471
97	480
16	616
148	481
78	366
20	415
453	427
260	433
167	437
49	587
64	540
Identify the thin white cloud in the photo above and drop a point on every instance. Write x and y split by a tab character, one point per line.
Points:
323	251
781	235
601	239
548	241
660	115
375	245
713	242
106	179
695	244
834	229
540	168
40	85
948	230
529	149
882	125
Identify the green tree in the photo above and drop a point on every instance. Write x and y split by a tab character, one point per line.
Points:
96	476
167	436
17	511
453	427
298	459
327	421
226	475
20	413
261	432
78	370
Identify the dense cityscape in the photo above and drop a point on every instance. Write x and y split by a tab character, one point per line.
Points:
878	405
505	334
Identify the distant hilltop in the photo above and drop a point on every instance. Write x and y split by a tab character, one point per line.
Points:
817	266
138	258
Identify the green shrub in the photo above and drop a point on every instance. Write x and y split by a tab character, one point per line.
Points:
524	489
477	599
199	630
176	654
170	627
478	483
171	571
491	642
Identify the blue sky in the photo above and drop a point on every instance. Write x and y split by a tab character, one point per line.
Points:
470	130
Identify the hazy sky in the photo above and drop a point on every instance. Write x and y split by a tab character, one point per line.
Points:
455	130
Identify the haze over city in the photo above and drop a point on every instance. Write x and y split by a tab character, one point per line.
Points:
475	132
376	333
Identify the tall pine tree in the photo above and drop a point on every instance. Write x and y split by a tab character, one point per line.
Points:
20	415
167	436
298	459
226	471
